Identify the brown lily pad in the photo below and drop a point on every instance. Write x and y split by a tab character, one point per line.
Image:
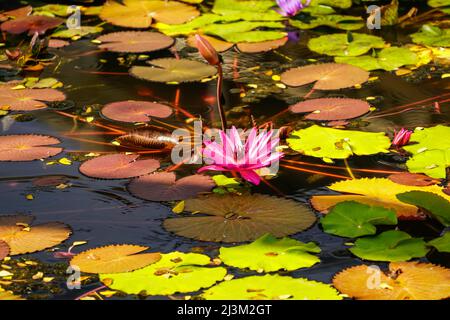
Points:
22	237
233	218
264	46
331	108
135	41
173	70
413	179
326	76
31	24
28	99
118	166
4	250
135	111
16	13
114	259
163	186
140	13
27	147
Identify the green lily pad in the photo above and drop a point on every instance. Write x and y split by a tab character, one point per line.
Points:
332	20
175	272
224	181
352	219
271	287
343	4
338	44
442	244
193	25
233	31
249	10
387	59
81	32
436	205
432	36
318	10
244	31
60	10
271	254
431	151
329	143
443	5
390	245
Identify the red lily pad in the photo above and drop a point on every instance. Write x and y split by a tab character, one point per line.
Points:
118	166
27	147
16	13
32	24
413	179
264	46
135	41
135	111
163	186
331	108
28	99
4	250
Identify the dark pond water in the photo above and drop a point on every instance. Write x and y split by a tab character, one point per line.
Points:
103	212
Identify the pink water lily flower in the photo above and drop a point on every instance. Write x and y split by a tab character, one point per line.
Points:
231	154
401	138
290	8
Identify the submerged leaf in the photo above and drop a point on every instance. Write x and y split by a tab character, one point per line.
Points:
27	147
326	76
405	281
173	70
233	218
331	108
271	287
163	186
134	41
175	272
76	32
118	166
135	111
352	219
22	238
269	254
392	245
114	259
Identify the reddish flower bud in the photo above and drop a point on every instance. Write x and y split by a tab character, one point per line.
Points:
401	137
207	50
